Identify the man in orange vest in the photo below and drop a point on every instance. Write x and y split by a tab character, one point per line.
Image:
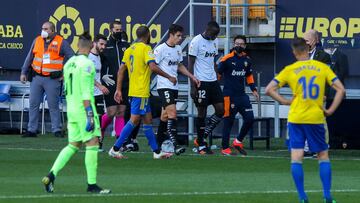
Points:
43	65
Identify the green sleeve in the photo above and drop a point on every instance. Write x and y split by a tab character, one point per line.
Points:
87	79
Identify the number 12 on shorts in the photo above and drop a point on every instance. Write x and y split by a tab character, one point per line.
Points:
310	89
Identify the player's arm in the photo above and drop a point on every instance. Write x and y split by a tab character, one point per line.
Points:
340	92
271	90
251	82
154	68
101	87
87	90
120	78
183	70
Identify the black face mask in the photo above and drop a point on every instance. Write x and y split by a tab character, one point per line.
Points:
117	35
238	49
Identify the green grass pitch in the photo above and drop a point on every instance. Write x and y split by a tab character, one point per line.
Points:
263	176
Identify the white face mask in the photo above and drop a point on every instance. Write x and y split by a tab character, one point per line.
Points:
44	34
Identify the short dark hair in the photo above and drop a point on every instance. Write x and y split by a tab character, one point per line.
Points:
240	37
174	28
299	45
85	39
142	32
115	22
51	25
213	25
98	37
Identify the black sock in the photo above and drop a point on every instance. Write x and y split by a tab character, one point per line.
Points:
116	149
200	127
135	132
211	125
161	133
172	131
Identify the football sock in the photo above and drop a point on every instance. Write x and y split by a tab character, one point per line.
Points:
105	121
325	176
63	157
91	162
247	124
119	124
172	130
148	131
161	133
200	128
212	122
124	135
228	123
298	177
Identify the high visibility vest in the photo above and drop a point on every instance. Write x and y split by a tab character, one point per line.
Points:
53	61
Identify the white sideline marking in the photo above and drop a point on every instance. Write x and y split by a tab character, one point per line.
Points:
191	154
164	194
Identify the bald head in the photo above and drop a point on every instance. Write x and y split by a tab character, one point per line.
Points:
311	38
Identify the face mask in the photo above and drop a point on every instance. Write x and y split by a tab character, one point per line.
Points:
117	35
44	34
238	49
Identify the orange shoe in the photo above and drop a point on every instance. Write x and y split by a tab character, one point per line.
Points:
196	144
203	150
239	146
226	152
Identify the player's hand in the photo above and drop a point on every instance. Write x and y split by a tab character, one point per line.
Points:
23	78
90	123
256	95
173	80
193	92
108	80
327	112
196	81
104	90
118	96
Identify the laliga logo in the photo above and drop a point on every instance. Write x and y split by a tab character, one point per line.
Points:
70	25
68	16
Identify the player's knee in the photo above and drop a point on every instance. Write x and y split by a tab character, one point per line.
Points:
297	154
171	114
219	110
323	155
93	142
75	144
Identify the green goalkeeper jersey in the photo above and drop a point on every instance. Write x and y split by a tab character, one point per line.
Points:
79	76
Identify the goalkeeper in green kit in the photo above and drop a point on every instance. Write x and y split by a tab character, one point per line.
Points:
83	123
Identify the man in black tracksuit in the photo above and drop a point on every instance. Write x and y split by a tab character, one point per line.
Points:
111	61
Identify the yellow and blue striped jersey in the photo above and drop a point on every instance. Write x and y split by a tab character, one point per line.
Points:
137	58
307	80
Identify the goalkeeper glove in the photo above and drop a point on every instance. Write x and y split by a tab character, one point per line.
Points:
89	119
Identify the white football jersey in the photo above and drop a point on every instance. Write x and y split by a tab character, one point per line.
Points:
97	62
168	59
205	51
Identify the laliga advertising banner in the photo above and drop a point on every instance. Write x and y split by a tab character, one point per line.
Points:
337	21
21	21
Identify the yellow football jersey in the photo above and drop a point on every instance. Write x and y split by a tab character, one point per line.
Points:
307	80
137	58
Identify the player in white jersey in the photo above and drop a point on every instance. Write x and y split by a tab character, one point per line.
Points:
99	45
168	56
202	51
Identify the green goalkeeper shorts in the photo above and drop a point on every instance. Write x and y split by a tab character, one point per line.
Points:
77	132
